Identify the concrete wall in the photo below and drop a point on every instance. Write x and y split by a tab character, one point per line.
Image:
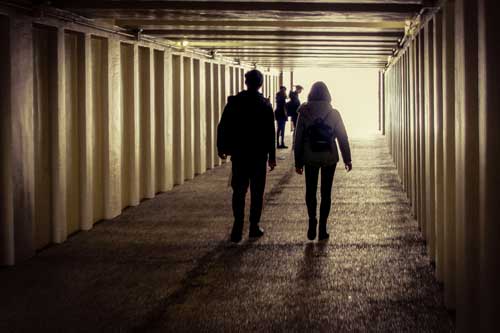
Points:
441	106
93	122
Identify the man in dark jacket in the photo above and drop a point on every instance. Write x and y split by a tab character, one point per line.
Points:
281	117
246	132
293	105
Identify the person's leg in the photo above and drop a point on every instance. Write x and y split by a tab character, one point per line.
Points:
239	183
327	174
283	125
257	186
278	133
311	174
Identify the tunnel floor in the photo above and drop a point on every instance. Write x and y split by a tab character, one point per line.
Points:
167	265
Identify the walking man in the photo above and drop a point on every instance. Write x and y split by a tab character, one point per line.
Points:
246	132
293	105
281	117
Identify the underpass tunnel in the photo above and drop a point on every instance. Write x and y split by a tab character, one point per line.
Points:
107	103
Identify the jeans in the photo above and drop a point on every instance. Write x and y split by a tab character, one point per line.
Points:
281	132
312	173
245	174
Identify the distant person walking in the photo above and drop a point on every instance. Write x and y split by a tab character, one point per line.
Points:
281	117
293	105
318	125
246	132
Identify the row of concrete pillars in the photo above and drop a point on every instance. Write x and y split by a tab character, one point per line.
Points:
92	123
442	120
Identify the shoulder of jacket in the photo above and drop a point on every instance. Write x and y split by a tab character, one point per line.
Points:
232	99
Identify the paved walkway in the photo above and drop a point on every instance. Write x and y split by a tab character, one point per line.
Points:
166	265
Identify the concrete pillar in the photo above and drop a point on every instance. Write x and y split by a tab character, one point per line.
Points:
209	117
200	135
17	151
178	118
242	74
217	107
169	119
422	136
237	80
467	165
45	102
130	127
224	91
438	145
232	80
189	159
489	163
113	133
87	125
449	154
163	117
429	141
413	134
70	131
147	120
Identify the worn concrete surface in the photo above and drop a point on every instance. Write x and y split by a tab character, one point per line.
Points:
166	265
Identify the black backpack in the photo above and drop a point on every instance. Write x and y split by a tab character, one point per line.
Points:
321	135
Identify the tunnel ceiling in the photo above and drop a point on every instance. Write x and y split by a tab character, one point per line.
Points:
278	34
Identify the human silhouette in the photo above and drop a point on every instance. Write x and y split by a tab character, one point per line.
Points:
318	125
246	132
281	116
293	105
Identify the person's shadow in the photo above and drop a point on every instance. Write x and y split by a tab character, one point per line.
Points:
313	264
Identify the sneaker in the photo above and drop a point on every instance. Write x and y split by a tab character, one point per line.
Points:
236	233
255	232
311	232
323	235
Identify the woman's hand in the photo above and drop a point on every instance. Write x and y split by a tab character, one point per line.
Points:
348	166
299	171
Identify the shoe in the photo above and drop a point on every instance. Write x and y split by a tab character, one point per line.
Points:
255	231
284	147
281	147
311	232
236	233
323	235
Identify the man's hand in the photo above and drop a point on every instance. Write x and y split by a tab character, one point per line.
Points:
222	155
299	171
348	166
272	165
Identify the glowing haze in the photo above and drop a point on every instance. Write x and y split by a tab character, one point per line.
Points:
354	93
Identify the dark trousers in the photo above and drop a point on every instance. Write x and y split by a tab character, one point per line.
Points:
281	132
312	173
245	174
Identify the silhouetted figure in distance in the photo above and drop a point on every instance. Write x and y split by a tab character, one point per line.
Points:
293	105
246	132
318	125
281	116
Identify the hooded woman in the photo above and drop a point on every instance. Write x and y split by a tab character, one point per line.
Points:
318	126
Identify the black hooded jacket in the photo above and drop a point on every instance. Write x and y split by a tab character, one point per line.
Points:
246	130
